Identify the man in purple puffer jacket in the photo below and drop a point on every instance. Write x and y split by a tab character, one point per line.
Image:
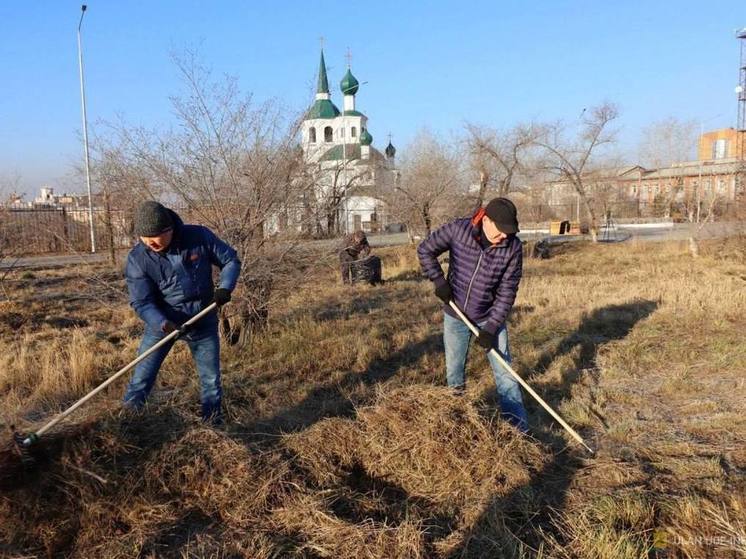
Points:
486	262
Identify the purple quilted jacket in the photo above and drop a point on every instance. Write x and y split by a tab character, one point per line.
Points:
484	281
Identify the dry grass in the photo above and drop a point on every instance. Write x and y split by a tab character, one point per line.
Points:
342	441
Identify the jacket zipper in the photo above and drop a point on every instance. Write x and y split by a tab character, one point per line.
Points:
468	291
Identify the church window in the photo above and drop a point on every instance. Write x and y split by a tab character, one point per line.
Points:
353	132
328	134
312	135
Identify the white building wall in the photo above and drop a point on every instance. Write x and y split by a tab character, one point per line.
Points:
363	212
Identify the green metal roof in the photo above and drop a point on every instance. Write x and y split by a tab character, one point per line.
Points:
349	84
322	108
365	138
353	113
323	85
338	153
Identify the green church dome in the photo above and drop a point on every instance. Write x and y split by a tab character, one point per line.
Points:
365	138
349	84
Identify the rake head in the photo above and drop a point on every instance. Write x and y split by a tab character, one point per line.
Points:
23	443
16	461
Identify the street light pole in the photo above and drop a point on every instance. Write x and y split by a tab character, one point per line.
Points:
85	134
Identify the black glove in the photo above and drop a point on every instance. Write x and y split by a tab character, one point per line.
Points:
486	339
222	296
444	292
170	326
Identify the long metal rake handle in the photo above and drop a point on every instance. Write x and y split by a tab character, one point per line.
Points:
522	382
116	375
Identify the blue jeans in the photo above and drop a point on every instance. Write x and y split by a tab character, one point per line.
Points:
205	348
456	336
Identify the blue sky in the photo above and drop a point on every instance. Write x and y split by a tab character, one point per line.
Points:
436	64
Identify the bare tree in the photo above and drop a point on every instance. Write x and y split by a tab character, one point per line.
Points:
235	167
430	188
340	178
9	242
10	186
664	143
122	184
496	156
667	141
570	159
701	207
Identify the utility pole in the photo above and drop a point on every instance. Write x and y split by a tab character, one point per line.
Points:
85	133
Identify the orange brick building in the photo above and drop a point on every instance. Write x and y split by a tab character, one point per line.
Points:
710	182
721	144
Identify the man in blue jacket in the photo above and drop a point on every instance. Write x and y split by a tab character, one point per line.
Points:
169	278
485	267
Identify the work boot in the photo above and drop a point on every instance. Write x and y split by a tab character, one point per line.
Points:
212	415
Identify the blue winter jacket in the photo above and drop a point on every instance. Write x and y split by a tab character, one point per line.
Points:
177	284
484	281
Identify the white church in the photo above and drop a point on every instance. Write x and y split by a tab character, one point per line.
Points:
339	149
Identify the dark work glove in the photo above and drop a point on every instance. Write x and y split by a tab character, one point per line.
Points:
444	292
222	296
486	339
169	326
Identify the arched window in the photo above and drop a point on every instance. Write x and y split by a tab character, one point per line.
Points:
312	135
328	134
354	132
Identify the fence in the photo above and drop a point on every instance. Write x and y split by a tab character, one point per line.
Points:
619	210
50	230
56	230
63	230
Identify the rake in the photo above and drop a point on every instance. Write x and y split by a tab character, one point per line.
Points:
24	442
522	382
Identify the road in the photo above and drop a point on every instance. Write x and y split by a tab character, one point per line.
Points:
664	232
682	231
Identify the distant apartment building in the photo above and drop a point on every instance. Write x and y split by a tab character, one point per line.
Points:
48	199
712	180
720	144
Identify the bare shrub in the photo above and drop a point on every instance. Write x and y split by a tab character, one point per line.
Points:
571	158
234	166
498	158
431	187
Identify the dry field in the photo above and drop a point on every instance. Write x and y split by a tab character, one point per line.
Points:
342	441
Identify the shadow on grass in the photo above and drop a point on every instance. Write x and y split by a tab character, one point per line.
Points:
331	399
407	275
359	300
525	513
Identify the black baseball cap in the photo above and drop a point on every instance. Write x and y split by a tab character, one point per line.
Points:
503	214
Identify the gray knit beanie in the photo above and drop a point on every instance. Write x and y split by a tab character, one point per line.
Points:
152	219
